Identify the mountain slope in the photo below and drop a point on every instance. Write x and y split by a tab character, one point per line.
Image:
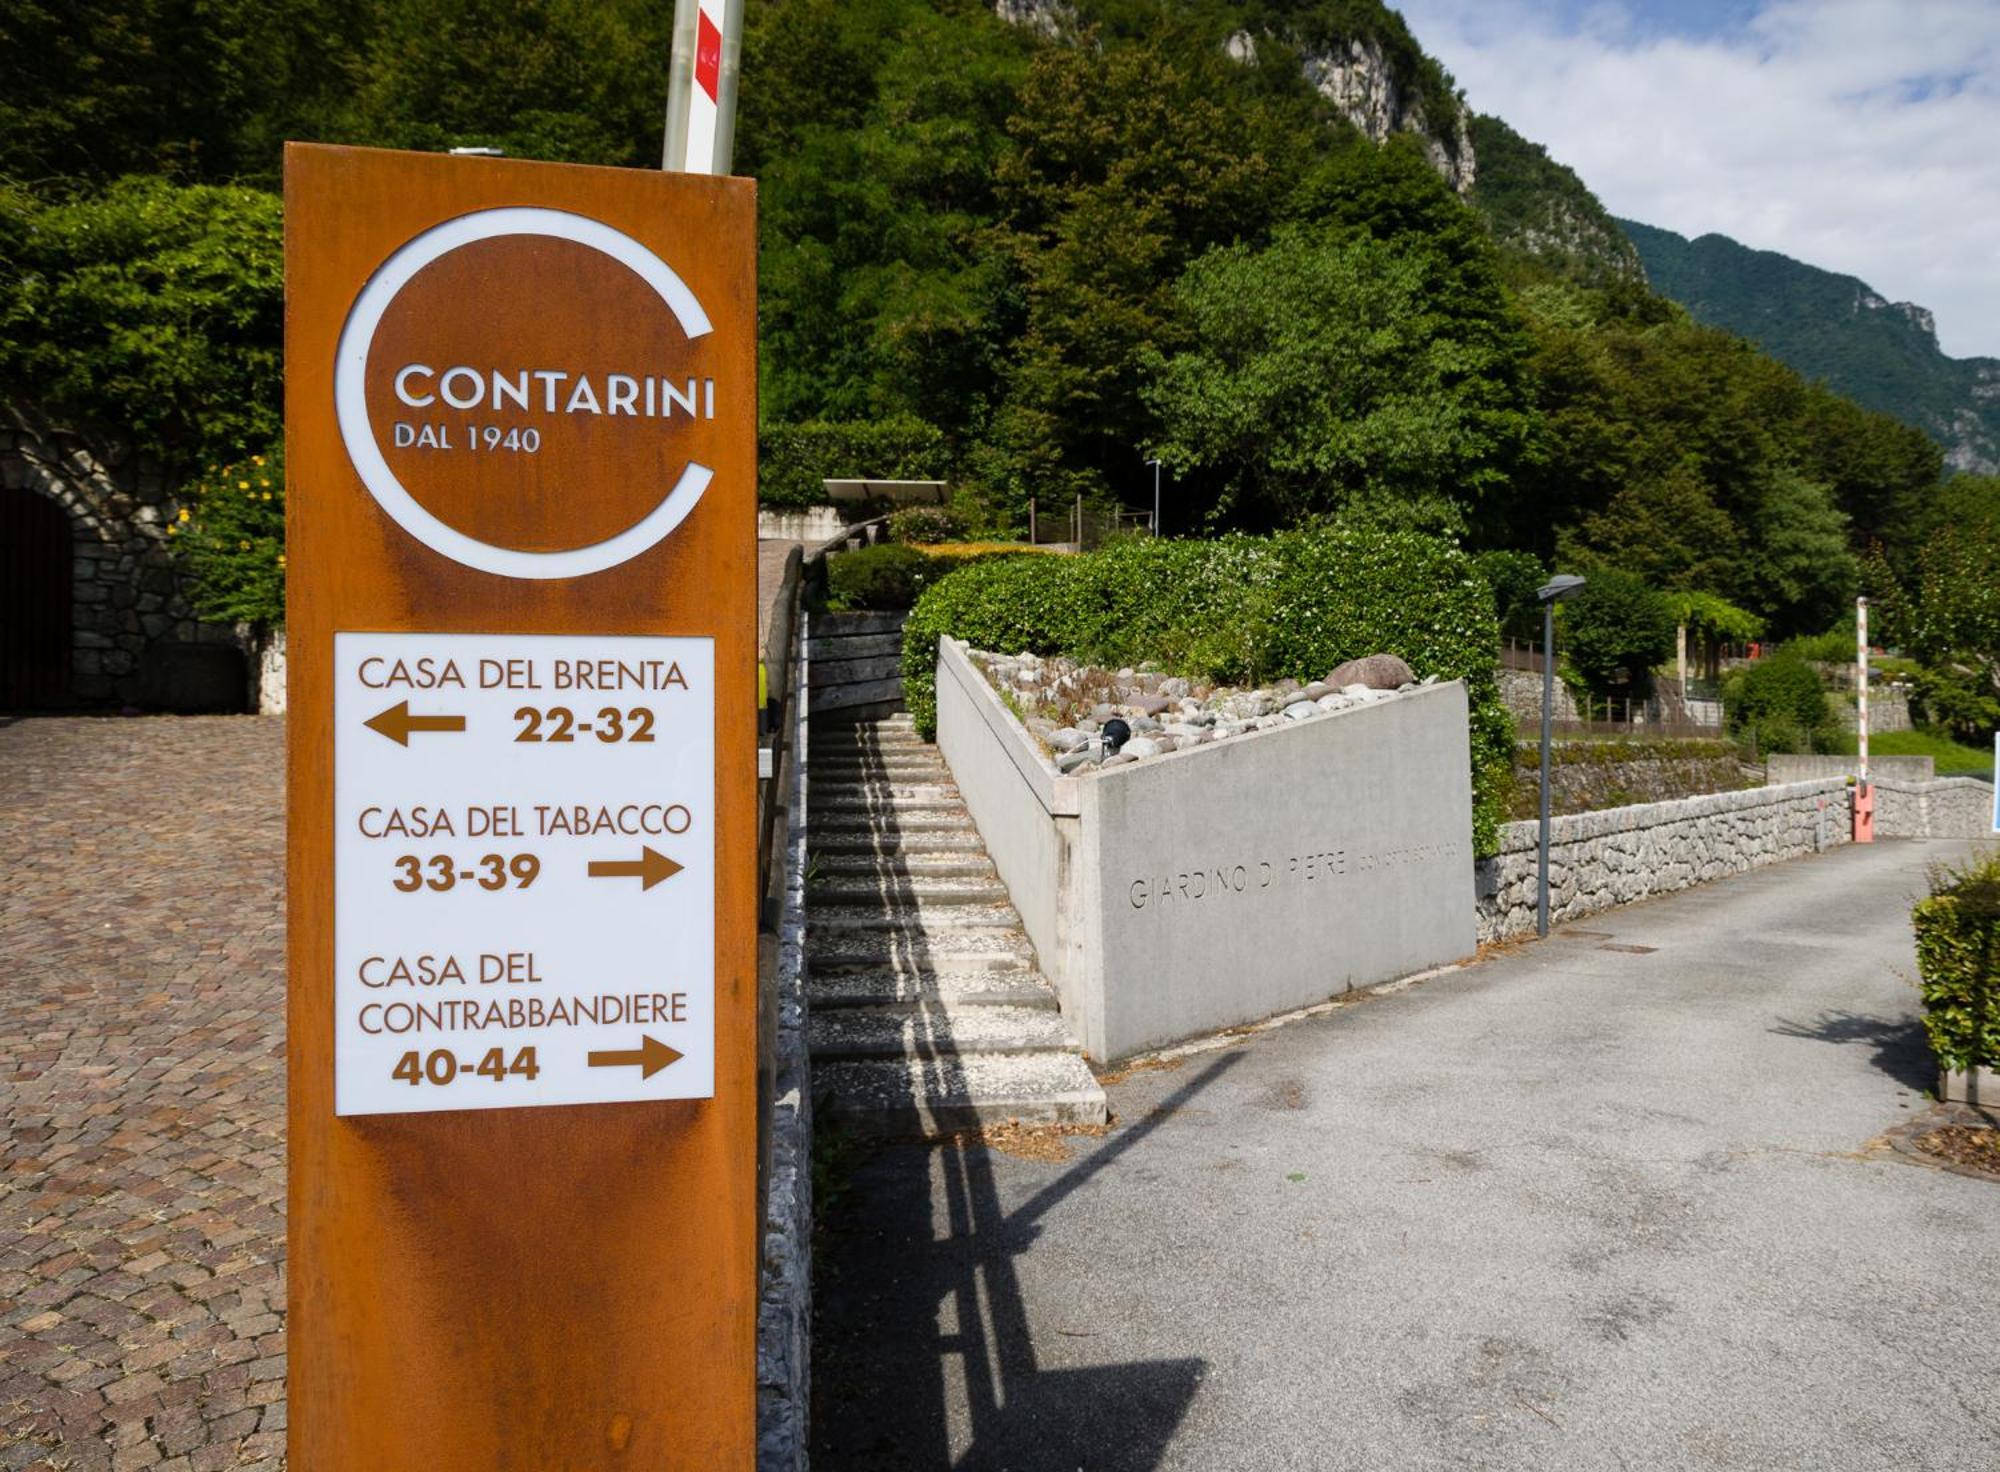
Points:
1882	354
1542	210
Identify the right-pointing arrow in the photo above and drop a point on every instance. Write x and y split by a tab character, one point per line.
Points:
649	868
650	1057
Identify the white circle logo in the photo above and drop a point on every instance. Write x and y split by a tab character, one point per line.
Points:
357	337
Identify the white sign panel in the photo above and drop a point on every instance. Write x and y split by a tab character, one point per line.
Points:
524	870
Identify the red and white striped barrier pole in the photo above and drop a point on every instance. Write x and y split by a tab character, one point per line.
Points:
701	89
1864	794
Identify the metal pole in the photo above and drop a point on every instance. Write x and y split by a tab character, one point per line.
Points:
1156	498
1548	706
701	87
1861	685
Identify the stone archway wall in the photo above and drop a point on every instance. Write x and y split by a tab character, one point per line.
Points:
127	593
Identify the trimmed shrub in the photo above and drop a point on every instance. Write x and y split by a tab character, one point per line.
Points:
921	526
1240	610
887	576
1958	965
792	459
1780	704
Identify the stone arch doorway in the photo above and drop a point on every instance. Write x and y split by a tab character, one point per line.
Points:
36	601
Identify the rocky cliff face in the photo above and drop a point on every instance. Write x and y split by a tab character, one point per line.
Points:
1358	79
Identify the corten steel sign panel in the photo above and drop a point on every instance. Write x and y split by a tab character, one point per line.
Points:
521	456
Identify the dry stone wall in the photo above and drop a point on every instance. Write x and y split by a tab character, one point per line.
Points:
1599	860
128	606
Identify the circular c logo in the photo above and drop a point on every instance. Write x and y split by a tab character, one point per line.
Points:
515	387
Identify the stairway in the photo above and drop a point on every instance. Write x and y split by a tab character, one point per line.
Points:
926	1011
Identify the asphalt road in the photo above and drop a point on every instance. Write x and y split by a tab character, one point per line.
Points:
1572	1207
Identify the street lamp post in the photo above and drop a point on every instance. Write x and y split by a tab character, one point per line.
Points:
1556	588
1156	495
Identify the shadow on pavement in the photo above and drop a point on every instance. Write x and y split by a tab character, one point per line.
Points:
1901	1049
924	1329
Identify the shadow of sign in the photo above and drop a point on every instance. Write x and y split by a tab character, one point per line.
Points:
1899	1046
926	1355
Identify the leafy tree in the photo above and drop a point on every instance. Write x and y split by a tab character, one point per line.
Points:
149	313
1128	162
1615	630
1516	578
1320	370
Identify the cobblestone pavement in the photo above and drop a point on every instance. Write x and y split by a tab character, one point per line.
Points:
142	1083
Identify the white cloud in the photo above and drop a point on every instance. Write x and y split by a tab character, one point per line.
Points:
1862	136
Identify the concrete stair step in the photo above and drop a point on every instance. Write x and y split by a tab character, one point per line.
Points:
896	867
875	766
937	948
922	923
936	1032
892	889
917	797
892	823
894	743
886	987
903	1096
890	844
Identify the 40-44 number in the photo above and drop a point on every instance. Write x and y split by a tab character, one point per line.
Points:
440	1066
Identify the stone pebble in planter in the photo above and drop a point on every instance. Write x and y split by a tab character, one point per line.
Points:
1066	705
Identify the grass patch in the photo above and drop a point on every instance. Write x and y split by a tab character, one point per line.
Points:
1954	759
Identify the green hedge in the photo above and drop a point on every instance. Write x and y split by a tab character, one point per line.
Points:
888	576
1241	610
792	459
1958	965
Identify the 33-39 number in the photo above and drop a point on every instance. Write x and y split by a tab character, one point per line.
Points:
490	871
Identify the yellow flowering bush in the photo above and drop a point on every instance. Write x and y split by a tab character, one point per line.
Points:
229	532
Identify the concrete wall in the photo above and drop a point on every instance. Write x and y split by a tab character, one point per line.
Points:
1598	860
1275	870
1219	885
1781	769
804	524
1026	812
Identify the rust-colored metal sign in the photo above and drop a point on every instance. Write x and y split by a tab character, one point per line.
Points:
521	460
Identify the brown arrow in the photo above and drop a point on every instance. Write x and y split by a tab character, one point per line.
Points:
397	723
649	869
651	1056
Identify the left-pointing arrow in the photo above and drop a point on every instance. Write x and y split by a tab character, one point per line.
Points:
397	723
649	869
650	1056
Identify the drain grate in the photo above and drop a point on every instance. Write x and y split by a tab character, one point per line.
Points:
1630	950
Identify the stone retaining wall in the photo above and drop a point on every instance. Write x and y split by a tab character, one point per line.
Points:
1951	807
1598	860
134	639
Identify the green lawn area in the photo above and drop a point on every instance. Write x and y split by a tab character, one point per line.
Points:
1953	759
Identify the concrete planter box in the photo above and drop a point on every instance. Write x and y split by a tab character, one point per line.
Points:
1980	1086
1221	885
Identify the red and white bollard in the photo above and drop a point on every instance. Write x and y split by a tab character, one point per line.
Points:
1864	791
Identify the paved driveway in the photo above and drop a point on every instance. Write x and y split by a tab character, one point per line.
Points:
142	1029
1575	1207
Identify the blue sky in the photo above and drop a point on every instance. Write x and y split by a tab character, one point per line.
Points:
1859	135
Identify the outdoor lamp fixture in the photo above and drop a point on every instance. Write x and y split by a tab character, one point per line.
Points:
1558	587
